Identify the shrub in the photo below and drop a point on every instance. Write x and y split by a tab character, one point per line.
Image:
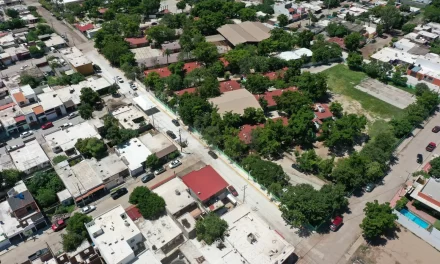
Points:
59	158
401	203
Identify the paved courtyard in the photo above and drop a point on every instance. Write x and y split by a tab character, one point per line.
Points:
386	93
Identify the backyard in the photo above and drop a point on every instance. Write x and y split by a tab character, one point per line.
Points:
342	82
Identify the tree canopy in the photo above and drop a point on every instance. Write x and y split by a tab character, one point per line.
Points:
150	204
379	218
76	231
91	147
211	228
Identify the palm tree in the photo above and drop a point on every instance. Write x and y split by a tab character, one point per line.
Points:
167	52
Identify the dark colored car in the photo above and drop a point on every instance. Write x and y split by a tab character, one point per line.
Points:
115	195
370	187
47	125
96	68
336	223
171	134
431	146
175	122
38	254
232	190
419	158
147	177
436	129
212	154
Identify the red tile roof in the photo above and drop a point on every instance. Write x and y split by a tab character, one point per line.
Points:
282	118
326	115
245	133
339	41
102	10
205	182
274	75
190	66
3	107
428	198
187	90
163	72
19	118
136	41
270	94
291	10
85	27
228	86
133	212
225	62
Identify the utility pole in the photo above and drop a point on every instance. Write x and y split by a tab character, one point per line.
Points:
244	192
180	141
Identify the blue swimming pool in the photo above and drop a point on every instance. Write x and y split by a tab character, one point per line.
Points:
414	218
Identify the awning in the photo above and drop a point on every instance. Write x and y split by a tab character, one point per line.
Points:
90	193
19	118
38	110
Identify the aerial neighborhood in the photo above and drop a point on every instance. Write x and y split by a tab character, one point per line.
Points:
219	131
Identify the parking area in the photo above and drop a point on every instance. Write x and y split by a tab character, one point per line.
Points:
386	93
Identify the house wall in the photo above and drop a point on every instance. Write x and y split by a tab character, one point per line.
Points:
85	69
22	212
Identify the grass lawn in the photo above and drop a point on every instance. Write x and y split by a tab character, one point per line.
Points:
341	80
377	127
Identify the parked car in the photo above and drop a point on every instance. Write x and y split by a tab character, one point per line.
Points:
96	68
47	125
431	146
65	125
26	134
147	177
87	209
175	122
336	223
133	86
370	187
72	115
419	158
58	225
171	134
175	163
13	147
232	190
212	154
38	254
159	171
119	79
118	193
436	129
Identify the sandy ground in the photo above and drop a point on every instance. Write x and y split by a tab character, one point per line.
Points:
371	48
406	249
352	106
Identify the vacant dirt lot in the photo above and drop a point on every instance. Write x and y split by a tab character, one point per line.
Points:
371	48
405	249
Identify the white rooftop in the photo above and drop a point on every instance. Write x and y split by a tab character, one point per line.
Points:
55	40
135	153
6	162
49	100
78	179
111	232
10	225
27	90
19	187
295	55
428	34
404	44
175	194
29	156
79	61
144	103
108	166
389	54
126	116
64	195
158	144
67	138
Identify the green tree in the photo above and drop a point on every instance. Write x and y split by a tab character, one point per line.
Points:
71	241
315	85
352	41
113	89
408	28
88	96
291	102
354	61
36	51
160	34
401	127
308	161
12	13
247	14
379	30
206	52
398	79
428	100
435	168
150	205
253	116
181	5
211	228
234	148
256	83
192	106
421	88
336	109
75	225
349	171
336	30
265	142
85	111
379	218
174	82
283	20
209	88
401	203
300	127
343	132
265	172
390	18
153	162
10	177
304	38
232	119
59	158
46	198
27	79
91	147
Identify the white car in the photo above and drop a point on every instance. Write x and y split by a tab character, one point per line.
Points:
26	134
133	86
175	163
87	209
72	115
66	125
119	79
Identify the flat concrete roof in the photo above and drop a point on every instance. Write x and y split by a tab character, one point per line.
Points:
175	194
67	138
158	144
54	40
432	189
235	101
6	161
134	152
49	100
64	195
80	61
126	116
29	156
108	166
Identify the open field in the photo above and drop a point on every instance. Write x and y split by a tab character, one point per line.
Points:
342	82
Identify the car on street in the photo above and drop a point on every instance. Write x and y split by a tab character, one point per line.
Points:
96	68
370	187
232	190
171	134
419	158
66	125
118	193
174	164
175	122
26	134
47	125
159	171
336	223
147	177
119	79
133	86
436	129
431	146
87	209
72	115
38	254
58	225
212	154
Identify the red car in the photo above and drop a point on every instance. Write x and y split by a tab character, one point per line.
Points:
58	225
336	223
47	125
232	190
431	146
436	129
